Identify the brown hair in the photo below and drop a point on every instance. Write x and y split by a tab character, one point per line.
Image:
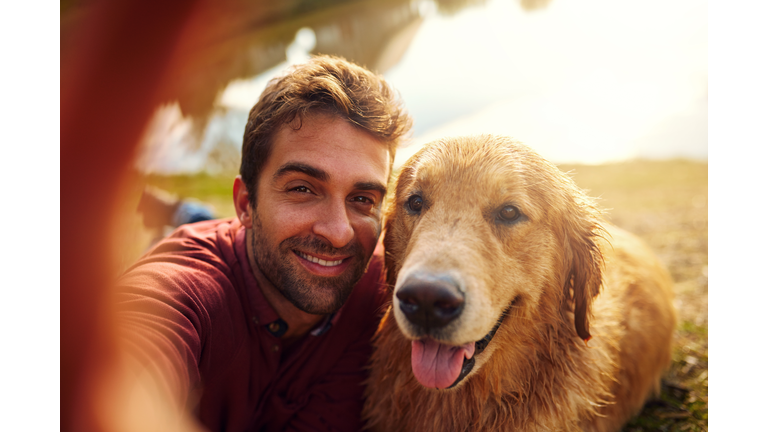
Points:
326	84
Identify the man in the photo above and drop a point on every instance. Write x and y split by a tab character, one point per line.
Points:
264	321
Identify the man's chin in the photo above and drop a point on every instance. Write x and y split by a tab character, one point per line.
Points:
321	301
315	284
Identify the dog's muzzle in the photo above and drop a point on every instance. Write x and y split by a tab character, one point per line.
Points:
468	364
430	302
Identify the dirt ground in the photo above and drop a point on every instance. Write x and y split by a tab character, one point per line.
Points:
664	202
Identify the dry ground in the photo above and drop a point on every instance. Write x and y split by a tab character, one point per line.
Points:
664	202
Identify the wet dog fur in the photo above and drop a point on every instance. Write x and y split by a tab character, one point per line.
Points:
585	308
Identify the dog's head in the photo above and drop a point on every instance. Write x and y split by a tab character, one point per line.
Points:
484	233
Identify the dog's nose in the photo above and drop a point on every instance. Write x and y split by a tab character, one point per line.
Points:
430	302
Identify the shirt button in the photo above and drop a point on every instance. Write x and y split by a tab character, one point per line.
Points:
275	348
274	327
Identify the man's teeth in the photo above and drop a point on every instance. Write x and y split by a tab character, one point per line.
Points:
322	262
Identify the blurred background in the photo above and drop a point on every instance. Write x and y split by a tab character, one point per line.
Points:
580	81
615	93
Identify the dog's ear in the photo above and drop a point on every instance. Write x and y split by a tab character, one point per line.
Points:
390	264
395	231
584	262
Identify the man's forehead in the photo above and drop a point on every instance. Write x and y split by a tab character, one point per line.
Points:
330	143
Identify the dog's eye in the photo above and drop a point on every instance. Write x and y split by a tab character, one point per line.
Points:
509	213
415	203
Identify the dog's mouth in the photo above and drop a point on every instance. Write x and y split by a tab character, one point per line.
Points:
443	366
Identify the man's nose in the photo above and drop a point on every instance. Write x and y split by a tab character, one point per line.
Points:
334	225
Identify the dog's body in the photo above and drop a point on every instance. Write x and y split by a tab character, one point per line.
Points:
496	260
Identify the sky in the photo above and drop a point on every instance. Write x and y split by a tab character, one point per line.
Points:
586	82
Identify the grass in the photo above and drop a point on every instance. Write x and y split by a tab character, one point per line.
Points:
215	191
130	236
664	202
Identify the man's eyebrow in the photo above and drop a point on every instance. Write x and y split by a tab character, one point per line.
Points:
322	175
309	170
371	186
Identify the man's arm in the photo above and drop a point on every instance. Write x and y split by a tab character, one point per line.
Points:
163	323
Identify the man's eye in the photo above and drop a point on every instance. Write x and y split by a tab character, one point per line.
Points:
302	189
363	199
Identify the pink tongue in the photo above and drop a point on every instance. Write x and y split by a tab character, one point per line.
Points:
437	365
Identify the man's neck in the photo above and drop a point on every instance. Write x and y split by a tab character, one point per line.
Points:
299	322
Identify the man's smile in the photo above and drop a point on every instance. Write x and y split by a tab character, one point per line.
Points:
324	265
320	261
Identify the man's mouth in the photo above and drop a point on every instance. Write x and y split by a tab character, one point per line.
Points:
319	261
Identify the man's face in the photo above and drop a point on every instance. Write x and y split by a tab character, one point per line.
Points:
318	211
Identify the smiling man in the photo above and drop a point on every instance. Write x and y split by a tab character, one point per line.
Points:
264	321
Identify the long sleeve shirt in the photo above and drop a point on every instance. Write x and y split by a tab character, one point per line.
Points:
193	309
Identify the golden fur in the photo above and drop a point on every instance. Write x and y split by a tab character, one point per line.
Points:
565	275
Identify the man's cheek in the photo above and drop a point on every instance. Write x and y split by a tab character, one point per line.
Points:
378	228
294	220
370	231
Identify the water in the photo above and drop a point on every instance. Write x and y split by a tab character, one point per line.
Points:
580	82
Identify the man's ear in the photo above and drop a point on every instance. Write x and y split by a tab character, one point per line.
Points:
242	202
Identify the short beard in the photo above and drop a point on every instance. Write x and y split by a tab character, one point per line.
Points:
312	294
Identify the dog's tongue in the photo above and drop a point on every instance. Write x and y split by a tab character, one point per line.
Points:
438	365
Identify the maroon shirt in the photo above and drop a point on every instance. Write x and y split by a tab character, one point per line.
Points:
192	308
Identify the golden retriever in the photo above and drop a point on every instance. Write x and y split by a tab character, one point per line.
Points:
515	306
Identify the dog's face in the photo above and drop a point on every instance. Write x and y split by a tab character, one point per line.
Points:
483	233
